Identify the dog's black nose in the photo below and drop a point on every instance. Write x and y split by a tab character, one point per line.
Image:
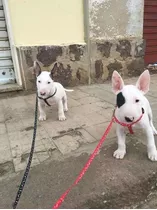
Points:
129	119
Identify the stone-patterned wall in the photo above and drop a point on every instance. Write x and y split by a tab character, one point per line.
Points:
68	63
126	56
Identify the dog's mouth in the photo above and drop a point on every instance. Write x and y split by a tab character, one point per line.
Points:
42	96
132	119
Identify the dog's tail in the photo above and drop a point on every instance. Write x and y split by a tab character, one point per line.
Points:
68	90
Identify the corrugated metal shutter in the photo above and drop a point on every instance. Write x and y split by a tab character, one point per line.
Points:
6	65
150	31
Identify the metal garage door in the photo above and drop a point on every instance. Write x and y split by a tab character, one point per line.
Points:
6	65
150	31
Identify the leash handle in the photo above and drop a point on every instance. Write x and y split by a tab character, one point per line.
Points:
85	168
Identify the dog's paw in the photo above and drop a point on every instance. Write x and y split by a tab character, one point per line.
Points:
62	118
42	118
152	155
119	154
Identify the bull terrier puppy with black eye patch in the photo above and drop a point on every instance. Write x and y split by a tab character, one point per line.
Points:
133	106
49	92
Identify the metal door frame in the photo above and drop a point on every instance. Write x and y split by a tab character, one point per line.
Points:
12	44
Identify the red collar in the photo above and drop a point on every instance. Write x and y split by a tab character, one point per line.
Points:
129	125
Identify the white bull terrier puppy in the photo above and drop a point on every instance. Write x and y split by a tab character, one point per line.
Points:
49	92
133	109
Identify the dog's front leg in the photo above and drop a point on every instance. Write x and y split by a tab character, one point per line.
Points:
151	148
42	113
121	151
61	115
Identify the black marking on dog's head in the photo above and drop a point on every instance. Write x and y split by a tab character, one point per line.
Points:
120	100
142	111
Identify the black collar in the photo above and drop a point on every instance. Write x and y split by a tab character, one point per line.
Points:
45	99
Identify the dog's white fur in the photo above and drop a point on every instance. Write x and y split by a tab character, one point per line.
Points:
45	88
132	109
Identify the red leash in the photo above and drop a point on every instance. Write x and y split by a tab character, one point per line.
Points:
85	168
92	156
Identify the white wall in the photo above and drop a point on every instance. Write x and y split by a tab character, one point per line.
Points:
116	18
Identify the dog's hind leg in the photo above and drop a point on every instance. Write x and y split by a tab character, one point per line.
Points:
151	147
151	121
153	128
65	103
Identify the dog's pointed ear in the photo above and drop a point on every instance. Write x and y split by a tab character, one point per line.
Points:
53	70
117	82
36	69
143	82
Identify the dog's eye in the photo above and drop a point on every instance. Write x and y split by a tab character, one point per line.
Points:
48	82
137	100
39	81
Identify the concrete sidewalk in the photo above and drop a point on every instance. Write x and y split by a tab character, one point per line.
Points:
90	110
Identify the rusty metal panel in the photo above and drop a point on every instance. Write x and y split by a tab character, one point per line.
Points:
150	31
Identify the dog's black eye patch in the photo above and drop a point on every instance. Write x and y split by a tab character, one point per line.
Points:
142	111
120	100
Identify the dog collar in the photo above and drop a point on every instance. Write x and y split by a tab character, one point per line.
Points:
129	125
45	99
